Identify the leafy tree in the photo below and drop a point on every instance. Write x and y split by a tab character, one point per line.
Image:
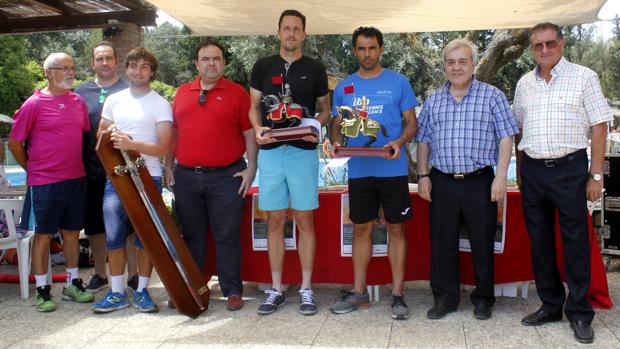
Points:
163	41
15	80
75	43
164	90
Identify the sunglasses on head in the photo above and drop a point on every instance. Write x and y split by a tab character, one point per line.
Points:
202	98
550	45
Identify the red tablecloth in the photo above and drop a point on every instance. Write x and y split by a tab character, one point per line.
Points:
513	265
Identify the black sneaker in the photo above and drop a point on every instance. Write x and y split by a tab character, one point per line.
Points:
307	305
132	283
274	299
400	310
96	284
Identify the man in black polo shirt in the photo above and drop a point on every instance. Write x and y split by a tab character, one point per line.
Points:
288	171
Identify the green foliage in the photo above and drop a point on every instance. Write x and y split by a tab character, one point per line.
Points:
35	69
15	80
75	43
165	43
164	90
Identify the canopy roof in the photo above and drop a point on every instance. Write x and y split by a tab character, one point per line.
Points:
247	17
27	16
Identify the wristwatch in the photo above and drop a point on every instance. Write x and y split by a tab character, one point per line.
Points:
420	176
596	176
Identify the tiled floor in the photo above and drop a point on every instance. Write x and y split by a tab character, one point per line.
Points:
75	326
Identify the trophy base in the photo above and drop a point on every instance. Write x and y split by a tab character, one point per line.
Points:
291	133
363	151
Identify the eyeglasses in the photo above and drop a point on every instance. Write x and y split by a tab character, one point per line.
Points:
550	45
202	98
64	69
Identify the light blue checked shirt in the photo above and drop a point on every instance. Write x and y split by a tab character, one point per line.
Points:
464	136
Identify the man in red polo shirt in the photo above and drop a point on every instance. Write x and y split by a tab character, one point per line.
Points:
211	177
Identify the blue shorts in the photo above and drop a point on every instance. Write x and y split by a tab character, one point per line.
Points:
60	205
288	174
117	224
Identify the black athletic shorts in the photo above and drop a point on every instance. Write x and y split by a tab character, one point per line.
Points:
94	207
367	194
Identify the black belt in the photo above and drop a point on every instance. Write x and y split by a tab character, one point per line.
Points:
559	161
476	173
208	169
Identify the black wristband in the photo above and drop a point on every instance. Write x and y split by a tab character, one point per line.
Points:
422	176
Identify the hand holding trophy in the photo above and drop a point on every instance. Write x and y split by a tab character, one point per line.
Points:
354	122
281	109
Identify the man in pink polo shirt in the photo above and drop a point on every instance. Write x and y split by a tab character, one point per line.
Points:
46	140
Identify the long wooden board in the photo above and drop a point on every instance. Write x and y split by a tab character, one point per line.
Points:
181	277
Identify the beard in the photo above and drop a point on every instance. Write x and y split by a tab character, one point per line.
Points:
63	84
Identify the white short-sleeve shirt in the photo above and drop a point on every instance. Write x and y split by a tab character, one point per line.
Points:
138	117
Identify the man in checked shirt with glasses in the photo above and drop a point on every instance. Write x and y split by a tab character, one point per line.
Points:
465	128
557	106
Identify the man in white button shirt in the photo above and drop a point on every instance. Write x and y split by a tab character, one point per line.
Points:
557	105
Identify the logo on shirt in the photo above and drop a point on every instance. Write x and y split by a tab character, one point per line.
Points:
303	77
61	106
384	92
219	98
371	109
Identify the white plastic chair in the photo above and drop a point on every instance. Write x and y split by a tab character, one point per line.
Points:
12	209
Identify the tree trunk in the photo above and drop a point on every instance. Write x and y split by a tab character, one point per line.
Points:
506	46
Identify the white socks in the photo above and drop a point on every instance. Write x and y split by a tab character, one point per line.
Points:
41	280
143	282
118	283
72	273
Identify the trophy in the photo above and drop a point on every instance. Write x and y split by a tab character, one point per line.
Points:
356	121
281	110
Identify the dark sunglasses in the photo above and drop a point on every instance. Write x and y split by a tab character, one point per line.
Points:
550	45
202	98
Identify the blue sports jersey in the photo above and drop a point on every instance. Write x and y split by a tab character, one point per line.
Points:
388	96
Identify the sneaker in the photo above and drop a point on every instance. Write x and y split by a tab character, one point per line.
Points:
96	284
400	311
43	299
307	305
111	302
143	302
77	293
132	283
350	301
274	299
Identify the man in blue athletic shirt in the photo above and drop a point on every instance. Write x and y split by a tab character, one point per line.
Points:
376	181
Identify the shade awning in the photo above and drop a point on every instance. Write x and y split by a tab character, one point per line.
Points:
251	17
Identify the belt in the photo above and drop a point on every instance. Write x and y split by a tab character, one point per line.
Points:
208	169
476	173
559	161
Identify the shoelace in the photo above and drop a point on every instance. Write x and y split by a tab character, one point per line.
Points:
273	295
78	284
346	295
45	293
398	300
307	296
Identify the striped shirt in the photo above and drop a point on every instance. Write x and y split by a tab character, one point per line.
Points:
464	136
556	117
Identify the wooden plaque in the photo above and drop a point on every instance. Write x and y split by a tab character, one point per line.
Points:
363	151
171	258
291	133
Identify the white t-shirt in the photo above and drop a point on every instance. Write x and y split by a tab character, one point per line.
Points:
138	117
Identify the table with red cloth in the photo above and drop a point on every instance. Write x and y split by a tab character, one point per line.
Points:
513	265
